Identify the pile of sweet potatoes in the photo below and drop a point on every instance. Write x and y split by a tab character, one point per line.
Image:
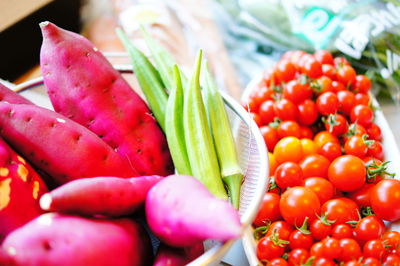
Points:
105	160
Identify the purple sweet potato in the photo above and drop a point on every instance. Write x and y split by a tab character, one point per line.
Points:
56	239
20	190
57	145
83	86
169	256
182	212
8	95
109	196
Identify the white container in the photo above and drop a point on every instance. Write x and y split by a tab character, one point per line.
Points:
252	158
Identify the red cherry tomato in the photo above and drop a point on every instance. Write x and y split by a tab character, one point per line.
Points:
297	203
281	228
288	128
346	101
312	68
336	124
392	240
288	174
298	239
323	137
327	103
340	61
391	259
306	133
362	114
368	228
329	71
376	150
323	84
361	196
267	111
374	248
356	146
268	249
284	70
321	187
269	209
320	228
385	199
331	150
297	92
340	231
340	210
374	132
270	136
338	86
256	119
277	262
346	75
314	165
361	98
324	57
307	112
285	110
298	256
332	248
323	262
362	84
344	167
350	249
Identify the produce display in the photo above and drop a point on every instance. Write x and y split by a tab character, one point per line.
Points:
107	163
330	192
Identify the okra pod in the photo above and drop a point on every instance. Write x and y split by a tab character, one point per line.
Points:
174	130
231	171
148	78
202	156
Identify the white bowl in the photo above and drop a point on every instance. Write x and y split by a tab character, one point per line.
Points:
252	158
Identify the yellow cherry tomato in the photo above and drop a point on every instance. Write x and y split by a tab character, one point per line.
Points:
288	149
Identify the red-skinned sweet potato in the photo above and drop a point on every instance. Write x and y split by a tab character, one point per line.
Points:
20	190
55	239
57	145
169	256
8	95
109	196
83	86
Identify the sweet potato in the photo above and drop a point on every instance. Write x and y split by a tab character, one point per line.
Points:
182	212
8	95
20	190
109	196
60	147
83	86
56	239
169	256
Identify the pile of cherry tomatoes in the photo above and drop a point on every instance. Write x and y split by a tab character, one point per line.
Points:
330	192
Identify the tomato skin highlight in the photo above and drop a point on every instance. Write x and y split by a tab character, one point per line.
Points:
269	209
385	199
344	167
297	203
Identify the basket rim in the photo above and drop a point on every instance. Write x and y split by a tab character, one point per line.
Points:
215	253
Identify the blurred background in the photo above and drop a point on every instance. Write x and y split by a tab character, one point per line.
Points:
240	38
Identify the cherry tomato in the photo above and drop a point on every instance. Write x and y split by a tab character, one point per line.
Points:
298	256
324	57
297	239
268	249
353	263
356	146
320	228
346	74
391	260
323	137
297	203
308	146
340	210
312	68
371	261
323	84
374	132
391	240
332	248
346	101
331	150
306	132
281	228
336	124
340	231
362	84
296	91
374	248
288	128
272	163
256	119
284	70
277	262
338	86
376	150
361	98
368	228
307	112
362	114
350	249
288	174
285	110
270	136
288	149
327	103
314	165
344	167
267	111
385	199
329	71
323	262
269	209
317	250
361	196
340	61
321	187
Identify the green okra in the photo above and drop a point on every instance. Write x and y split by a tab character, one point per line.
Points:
174	131
231	171
149	80
202	156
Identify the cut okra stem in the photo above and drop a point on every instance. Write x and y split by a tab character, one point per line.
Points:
202	156
148	78
174	131
231	171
